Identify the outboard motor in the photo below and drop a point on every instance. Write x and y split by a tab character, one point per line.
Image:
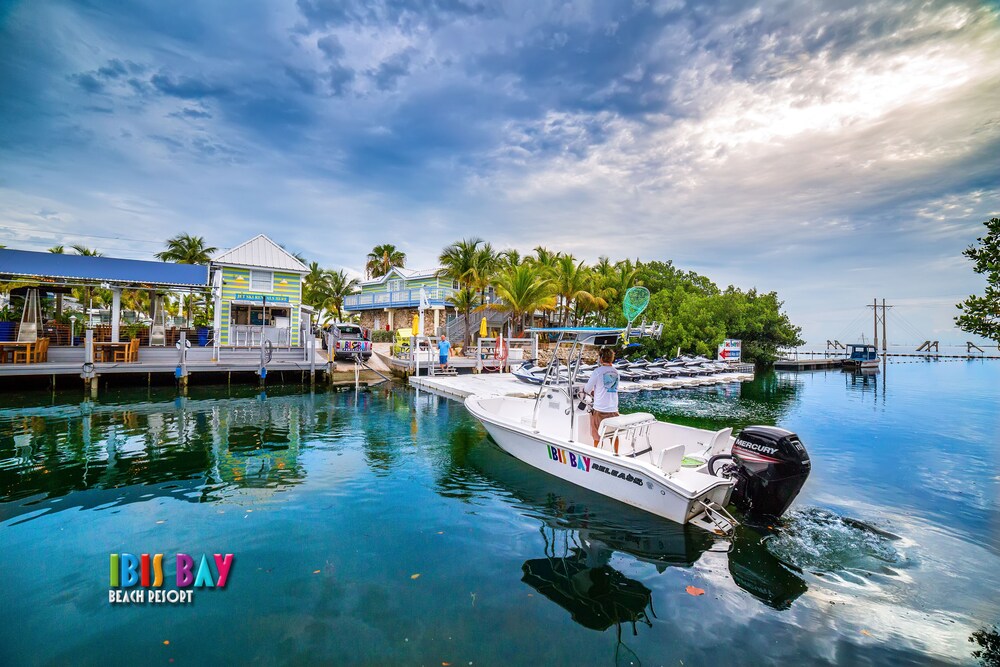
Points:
770	466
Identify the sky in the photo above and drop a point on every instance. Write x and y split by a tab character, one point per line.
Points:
833	152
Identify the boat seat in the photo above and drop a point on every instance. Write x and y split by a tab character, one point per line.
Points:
718	444
622	421
630	430
670	458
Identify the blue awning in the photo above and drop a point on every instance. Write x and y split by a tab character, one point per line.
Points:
74	269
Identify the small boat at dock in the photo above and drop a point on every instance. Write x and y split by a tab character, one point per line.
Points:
684	474
862	355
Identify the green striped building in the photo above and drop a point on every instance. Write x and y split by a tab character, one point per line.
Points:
257	288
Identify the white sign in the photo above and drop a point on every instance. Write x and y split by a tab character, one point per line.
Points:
730	349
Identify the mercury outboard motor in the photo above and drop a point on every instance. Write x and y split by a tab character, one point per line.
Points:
770	466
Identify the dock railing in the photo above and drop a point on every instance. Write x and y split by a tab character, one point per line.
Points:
426	355
518	349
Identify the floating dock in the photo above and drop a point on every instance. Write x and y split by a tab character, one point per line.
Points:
505	384
808	364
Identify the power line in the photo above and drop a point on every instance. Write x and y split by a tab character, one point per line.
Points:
58	235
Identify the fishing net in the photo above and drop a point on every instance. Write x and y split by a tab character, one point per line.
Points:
636	300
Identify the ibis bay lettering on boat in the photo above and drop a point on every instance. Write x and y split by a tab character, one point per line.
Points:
132	575
627	476
569	458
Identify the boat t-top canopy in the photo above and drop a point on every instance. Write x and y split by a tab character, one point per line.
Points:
601	335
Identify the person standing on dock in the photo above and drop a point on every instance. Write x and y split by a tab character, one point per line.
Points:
603	386
444	349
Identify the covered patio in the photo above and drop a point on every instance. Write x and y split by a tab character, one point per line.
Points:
36	276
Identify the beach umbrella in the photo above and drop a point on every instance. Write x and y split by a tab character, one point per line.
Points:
482	327
416	325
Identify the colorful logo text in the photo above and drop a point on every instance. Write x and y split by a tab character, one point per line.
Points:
146	571
569	458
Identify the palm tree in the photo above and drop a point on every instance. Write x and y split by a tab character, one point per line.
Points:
571	279
83	295
338	286
509	258
545	257
524	290
85	251
187	249
315	286
460	262
619	282
382	259
58	250
465	300
487	263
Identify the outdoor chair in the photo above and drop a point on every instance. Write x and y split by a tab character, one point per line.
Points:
128	353
41	351
33	355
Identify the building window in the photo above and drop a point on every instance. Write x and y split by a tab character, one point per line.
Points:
261	281
454	284
395	285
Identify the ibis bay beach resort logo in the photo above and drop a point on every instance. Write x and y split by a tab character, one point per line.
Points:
140	579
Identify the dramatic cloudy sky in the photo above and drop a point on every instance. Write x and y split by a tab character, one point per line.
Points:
831	151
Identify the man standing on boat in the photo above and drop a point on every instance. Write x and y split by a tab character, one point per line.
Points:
444	348
603	386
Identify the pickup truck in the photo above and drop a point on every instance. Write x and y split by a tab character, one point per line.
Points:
346	340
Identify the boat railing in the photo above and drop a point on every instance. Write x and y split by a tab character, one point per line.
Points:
580	338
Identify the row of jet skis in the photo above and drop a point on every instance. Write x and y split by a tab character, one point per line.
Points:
636	370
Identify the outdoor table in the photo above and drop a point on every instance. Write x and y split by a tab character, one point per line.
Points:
9	347
105	351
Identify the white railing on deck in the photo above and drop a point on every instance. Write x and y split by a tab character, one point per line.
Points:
400	297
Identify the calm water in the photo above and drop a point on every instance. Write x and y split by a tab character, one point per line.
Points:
384	528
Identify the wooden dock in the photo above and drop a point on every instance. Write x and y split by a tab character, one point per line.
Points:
66	364
810	361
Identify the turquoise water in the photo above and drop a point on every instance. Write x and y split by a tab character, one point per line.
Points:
383	527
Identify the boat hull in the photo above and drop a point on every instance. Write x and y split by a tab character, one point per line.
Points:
615	477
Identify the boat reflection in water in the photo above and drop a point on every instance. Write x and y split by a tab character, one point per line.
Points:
582	531
596	595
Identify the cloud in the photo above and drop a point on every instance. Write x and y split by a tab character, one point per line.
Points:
390	71
188	112
187	88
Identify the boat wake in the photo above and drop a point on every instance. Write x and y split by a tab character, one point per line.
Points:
822	542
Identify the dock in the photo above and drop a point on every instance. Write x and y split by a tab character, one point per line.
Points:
459	387
808	364
66	366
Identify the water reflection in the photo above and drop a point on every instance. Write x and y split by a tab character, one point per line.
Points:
865	381
767	400
119	454
596	595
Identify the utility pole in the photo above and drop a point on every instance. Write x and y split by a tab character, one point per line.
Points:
877	318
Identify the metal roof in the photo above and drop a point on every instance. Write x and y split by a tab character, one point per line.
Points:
45	266
262	252
406	274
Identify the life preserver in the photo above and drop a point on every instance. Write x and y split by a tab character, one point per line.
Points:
500	349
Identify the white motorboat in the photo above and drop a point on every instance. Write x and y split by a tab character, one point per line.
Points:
684	474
